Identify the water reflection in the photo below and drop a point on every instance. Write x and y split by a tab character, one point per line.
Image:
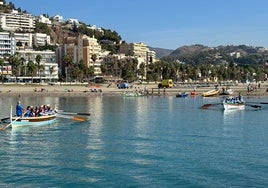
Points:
233	121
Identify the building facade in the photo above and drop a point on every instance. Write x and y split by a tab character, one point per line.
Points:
80	48
43	19
89	51
7	44
17	21
48	61
30	39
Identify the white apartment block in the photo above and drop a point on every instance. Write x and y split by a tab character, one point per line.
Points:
7	44
59	18
43	19
25	38
30	39
17	21
138	50
48	61
73	21
94	27
41	39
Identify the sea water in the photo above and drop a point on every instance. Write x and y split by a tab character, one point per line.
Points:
137	142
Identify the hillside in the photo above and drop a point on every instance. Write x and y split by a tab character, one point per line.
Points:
198	54
161	52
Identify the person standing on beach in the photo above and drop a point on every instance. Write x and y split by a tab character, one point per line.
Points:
19	109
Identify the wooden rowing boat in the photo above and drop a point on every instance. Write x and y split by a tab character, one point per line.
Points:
233	104
211	93
33	121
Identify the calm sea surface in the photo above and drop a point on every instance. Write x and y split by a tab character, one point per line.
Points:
137	142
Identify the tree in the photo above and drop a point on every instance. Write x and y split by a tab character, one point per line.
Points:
68	63
51	70
23	64
38	59
31	67
15	64
2	64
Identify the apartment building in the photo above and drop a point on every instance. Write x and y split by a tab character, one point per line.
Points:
48	61
141	52
88	46
138	50
43	19
80	48
30	39
41	39
111	63
17	21
7	44
59	18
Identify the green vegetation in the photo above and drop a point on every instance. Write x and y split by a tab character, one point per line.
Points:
41	28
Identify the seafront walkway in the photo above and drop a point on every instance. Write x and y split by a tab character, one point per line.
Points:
103	89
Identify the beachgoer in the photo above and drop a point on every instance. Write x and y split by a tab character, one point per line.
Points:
19	109
239	97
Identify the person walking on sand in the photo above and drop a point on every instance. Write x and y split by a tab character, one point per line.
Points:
19	109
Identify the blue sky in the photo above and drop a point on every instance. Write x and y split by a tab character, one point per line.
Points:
167	23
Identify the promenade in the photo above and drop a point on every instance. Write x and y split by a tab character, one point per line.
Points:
86	89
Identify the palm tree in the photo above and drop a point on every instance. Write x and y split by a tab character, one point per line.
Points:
38	59
31	66
2	64
68	63
15	63
51	70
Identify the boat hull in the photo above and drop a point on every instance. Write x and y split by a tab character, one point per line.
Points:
182	95
233	106
211	93
33	121
133	95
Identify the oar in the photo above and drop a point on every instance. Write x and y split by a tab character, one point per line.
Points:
259	102
253	106
4	119
205	106
5	127
75	118
74	113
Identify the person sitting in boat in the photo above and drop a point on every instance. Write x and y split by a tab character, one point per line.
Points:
27	113
19	109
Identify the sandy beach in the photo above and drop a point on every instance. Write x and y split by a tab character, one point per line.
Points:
102	89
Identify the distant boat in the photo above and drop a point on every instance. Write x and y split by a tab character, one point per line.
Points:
233	104
184	94
132	94
227	92
211	93
193	93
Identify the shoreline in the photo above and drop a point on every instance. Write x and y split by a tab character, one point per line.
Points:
85	90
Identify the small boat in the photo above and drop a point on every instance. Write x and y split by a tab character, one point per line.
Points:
193	93
211	93
227	92
33	121
233	104
184	94
132	94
